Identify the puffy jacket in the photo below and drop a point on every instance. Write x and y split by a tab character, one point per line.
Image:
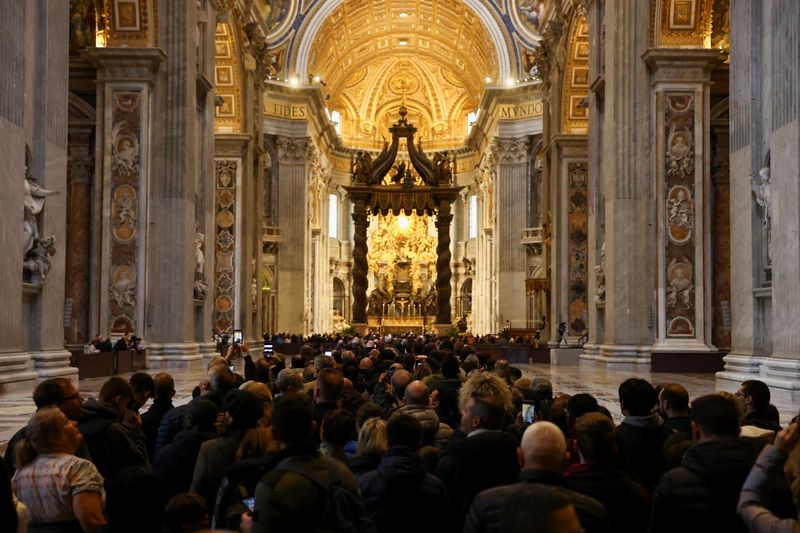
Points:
112	445
485	514
401	477
701	494
763	478
434	432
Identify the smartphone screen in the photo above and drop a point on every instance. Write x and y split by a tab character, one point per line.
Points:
268	349
528	412
237	336
329	354
250	503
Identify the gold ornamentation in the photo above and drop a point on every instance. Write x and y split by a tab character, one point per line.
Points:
402	239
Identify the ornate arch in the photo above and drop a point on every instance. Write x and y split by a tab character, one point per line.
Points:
228	115
309	30
575	78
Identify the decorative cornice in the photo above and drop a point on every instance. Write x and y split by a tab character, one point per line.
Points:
125	64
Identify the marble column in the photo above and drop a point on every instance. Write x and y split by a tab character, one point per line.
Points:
80	172
293	153
681	80
512	191
443	269
33	117
765	182
625	179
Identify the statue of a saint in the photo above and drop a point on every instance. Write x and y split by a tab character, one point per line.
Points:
34	204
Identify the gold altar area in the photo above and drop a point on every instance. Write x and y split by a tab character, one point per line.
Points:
402	269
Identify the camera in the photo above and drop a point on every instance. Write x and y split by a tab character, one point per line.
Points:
238	337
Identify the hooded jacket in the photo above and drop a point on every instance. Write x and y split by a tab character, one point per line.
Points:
401	477
434	432
112	444
702	493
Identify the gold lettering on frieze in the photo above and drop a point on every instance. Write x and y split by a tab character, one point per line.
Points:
284	110
517	111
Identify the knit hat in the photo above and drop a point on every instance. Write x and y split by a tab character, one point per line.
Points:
245	408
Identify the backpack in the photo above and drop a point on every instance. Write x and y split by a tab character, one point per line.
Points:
343	508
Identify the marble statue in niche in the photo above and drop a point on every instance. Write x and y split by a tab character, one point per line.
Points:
680	287
486	187
36	263
200	285
35	250
600	276
762	190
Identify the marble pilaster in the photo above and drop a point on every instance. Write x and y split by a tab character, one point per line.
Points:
513	157
292	169
681	79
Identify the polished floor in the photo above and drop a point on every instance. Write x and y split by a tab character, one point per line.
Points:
17	407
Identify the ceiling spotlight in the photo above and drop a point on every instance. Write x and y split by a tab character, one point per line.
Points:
510	82
294	81
403	42
403	14
317	79
488	79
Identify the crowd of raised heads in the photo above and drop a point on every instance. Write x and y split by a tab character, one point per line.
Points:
395	435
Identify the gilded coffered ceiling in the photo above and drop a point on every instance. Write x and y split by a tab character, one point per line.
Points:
434	55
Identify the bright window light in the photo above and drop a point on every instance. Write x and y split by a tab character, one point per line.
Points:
473	216
333	216
471	118
336	118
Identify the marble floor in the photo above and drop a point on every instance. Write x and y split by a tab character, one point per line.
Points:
17	407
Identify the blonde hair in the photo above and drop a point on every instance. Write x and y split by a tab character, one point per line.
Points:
42	431
372	437
486	387
257	442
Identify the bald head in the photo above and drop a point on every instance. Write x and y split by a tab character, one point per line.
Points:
543	447
400	381
417	393
365	364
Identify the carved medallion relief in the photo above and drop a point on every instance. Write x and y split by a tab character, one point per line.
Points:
225	171
126	131
578	246
679	213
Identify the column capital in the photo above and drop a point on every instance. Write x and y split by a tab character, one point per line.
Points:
682	64
125	64
511	150
294	150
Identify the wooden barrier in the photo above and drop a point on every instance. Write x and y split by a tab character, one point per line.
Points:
103	364
514	353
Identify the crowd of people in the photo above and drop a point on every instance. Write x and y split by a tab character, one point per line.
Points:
102	344
397	434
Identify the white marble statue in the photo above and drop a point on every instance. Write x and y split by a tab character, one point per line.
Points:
762	191
34	204
600	276
36	261
199	256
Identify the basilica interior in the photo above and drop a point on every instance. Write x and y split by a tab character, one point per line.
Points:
595	176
